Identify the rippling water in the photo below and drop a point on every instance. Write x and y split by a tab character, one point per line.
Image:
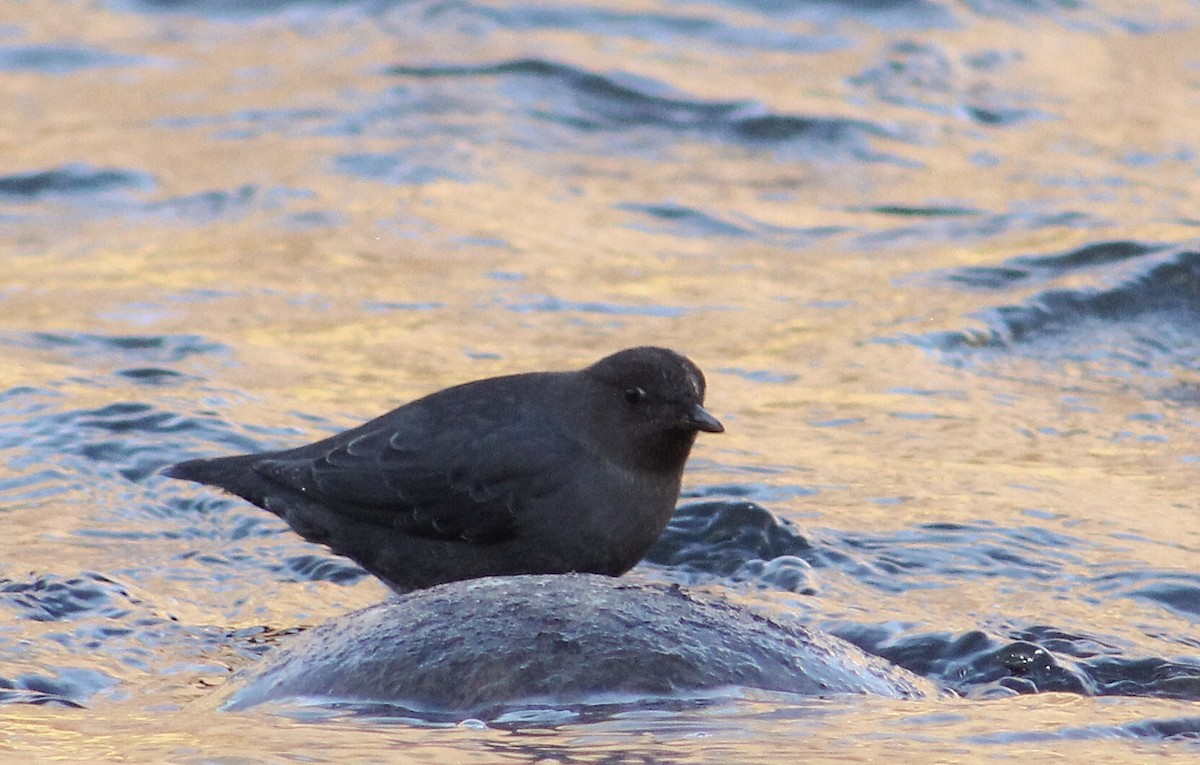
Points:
938	259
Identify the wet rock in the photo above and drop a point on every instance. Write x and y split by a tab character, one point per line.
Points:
473	646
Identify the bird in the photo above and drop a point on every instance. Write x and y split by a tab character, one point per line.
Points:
533	473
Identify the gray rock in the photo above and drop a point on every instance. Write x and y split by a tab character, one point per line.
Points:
476	645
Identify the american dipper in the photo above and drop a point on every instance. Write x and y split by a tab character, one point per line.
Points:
538	473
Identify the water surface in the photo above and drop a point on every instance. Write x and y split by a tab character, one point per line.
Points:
938	260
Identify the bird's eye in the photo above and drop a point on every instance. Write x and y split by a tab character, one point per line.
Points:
635	395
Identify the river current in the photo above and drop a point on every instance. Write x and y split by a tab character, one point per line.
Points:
939	261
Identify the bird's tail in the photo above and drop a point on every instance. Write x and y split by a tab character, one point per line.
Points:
235	475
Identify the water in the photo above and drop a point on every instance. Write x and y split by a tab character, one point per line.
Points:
939	261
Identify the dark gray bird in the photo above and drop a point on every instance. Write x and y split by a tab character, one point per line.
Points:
539	473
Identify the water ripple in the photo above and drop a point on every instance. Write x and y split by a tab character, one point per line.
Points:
1129	305
62	59
71	180
619	102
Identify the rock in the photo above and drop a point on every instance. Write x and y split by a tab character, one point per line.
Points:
472	646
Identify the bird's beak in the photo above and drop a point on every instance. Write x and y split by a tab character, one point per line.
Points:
698	418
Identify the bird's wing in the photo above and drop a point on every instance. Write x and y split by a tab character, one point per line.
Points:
471	487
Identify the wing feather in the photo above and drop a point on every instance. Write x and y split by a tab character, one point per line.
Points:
471	487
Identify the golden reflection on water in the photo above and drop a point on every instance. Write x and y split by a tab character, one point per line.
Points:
290	305
858	731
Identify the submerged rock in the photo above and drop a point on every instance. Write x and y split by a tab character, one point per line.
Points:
470	646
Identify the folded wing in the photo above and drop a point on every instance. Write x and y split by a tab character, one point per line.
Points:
439	487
